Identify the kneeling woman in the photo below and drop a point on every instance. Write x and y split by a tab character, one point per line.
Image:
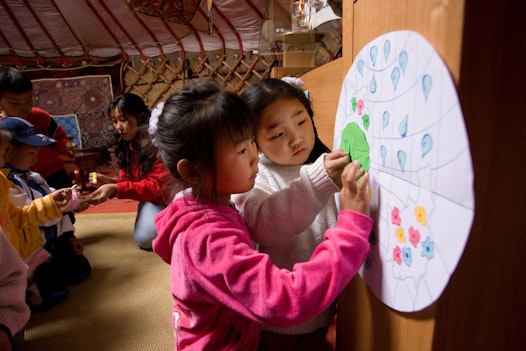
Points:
142	175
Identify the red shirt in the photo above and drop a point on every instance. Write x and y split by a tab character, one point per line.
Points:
49	161
154	187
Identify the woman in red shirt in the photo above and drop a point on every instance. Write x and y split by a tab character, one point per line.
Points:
142	175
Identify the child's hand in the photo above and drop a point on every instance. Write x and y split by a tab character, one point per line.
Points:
71	148
98	179
76	245
103	193
83	204
354	196
335	162
62	197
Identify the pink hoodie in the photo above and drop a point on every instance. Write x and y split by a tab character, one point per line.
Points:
224	289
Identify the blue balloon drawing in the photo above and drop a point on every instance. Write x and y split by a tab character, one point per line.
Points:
402	157
372	85
385	119
387	48
402	127
360	67
427	81
383	152
426	144
373	53
402	60
395	76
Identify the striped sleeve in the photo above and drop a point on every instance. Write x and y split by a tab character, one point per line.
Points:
39	211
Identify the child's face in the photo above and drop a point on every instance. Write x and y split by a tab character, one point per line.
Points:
285	132
22	156
16	105
3	150
237	167
126	127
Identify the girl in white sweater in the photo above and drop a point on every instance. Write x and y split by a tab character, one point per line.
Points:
292	202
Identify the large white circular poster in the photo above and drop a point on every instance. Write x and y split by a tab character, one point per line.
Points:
399	114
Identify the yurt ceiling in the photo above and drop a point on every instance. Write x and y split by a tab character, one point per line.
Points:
65	33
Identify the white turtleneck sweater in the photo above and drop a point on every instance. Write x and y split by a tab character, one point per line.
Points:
287	212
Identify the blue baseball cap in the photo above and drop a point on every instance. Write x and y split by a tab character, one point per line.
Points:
26	133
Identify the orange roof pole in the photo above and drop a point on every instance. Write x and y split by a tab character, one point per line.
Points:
41	61
124	55
168	28
86	53
65	61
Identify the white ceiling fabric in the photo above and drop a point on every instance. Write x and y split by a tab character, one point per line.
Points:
99	42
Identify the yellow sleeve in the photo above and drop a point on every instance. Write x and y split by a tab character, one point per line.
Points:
39	211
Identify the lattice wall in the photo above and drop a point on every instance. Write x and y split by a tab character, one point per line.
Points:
157	78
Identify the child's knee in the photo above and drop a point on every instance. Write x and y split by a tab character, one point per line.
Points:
144	239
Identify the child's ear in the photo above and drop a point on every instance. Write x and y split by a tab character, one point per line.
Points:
189	172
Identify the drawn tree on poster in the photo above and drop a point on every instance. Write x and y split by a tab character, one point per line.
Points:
399	114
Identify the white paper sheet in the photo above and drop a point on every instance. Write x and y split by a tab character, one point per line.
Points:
399	114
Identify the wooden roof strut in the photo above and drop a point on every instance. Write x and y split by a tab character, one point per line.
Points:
256	10
124	55
145	27
12	51
168	28
227	21
192	28
41	61
65	61
118	23
216	29
86	53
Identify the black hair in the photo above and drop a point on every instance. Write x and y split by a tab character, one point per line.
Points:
14	81
260	95
133	106
193	122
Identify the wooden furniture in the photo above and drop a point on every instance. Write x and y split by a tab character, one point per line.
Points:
483	46
84	162
87	161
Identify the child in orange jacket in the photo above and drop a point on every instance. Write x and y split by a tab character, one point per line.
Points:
13	219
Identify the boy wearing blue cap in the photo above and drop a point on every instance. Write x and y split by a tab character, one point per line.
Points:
67	264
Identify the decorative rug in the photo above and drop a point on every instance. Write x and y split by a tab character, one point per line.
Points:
87	97
113	206
70	124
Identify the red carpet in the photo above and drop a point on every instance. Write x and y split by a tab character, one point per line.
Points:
113	206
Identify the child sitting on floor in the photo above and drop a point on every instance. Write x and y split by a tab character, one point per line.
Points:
67	264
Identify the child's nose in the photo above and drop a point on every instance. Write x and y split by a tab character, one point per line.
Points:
296	141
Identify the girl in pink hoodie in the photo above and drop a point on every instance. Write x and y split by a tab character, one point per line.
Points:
223	288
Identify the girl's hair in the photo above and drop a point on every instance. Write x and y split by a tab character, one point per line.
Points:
132	106
14	81
261	95
193	122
